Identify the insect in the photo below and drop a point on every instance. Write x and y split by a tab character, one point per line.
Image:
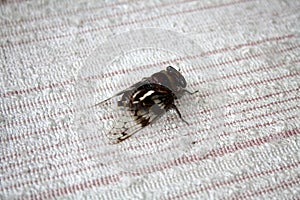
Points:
146	101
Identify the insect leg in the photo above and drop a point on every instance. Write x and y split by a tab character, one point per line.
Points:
179	114
191	93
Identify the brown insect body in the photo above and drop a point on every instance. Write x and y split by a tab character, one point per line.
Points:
148	100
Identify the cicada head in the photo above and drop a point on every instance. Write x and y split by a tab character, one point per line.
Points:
172	79
176	77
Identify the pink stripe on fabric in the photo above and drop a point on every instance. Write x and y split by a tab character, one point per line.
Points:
12	1
91	19
229	89
249	100
208	53
228	76
62	14
33	176
137	21
177	162
235	180
152	143
271	188
256	126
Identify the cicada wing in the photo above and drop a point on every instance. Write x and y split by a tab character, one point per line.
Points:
130	123
120	93
131	115
131	88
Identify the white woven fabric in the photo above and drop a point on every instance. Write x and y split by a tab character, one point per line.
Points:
242	140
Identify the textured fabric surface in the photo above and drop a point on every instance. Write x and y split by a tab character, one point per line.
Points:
242	140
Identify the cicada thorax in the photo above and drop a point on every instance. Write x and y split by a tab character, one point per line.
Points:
171	79
156	92
149	99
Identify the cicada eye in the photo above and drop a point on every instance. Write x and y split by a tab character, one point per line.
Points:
171	69
177	76
182	82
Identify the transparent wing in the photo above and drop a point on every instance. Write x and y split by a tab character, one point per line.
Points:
122	92
130	123
128	118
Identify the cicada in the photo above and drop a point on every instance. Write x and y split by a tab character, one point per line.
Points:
146	101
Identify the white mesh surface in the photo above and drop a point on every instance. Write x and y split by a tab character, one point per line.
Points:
243	137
